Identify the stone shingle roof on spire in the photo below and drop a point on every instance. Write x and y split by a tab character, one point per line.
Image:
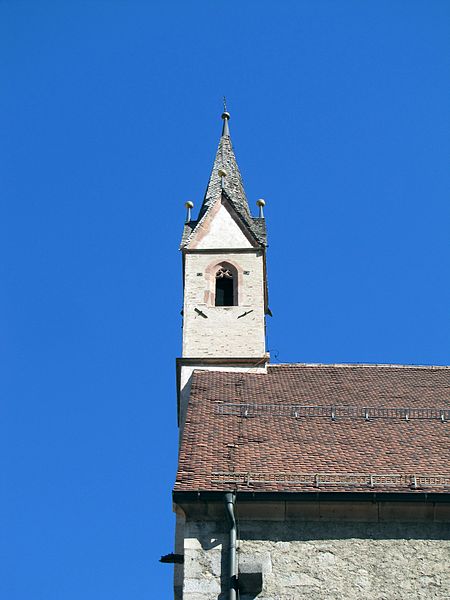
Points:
232	183
231	187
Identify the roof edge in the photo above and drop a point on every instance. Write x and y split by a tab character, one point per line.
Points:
363	365
214	496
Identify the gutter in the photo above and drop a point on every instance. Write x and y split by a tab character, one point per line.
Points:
182	497
230	500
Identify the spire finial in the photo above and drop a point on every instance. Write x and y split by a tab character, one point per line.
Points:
226	118
189	206
261	204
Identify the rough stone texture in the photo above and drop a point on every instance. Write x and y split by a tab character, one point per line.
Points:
204	560
221	333
324	560
178	576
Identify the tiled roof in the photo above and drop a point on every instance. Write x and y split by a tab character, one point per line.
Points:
318	427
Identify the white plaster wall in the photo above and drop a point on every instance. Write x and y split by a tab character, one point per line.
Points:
222	334
222	232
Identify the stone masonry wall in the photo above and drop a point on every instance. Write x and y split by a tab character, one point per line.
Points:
219	332
323	560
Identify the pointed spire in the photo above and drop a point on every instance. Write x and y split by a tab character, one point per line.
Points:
225	175
225	181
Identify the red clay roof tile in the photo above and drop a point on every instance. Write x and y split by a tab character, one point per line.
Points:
308	427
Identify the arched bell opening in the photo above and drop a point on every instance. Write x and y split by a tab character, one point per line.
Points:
226	281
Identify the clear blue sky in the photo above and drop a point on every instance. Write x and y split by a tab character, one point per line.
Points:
110	118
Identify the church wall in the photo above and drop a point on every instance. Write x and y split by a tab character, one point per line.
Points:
324	560
219	332
179	549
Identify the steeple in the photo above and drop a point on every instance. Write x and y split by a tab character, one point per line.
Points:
225	277
225	182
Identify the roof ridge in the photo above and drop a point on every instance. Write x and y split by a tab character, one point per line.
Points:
365	365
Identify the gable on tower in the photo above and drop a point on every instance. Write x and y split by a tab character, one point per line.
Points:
222	227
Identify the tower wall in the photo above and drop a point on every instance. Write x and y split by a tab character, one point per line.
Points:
223	331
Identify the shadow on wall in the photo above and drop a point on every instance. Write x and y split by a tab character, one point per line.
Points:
250	579
283	532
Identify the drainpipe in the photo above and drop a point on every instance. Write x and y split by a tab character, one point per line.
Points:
230	500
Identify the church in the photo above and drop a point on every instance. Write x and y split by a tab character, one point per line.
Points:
295	481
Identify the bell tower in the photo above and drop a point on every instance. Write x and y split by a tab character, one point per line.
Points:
224	269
